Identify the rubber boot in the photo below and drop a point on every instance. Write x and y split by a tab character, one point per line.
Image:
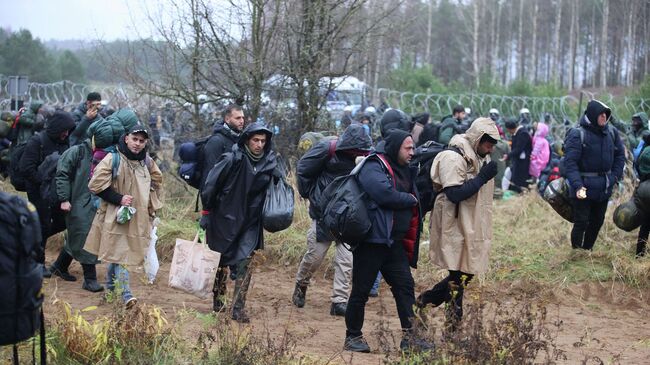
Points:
219	290
61	265
242	283
90	278
299	294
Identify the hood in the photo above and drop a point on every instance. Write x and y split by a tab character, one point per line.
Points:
126	117
35	105
255	128
221	128
58	123
593	110
394	119
82	107
354	138
644	118
392	143
542	130
480	127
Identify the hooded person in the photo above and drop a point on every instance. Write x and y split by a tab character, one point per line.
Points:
593	161
461	219
137	184
419	122
323	163
541	152
519	156
394	119
29	122
233	199
392	244
638	126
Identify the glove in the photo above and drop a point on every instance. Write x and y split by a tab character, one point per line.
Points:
488	171
203	223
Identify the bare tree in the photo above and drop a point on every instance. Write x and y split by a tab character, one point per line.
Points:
602	63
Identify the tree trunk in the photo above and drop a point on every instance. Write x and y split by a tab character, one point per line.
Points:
533	57
429	33
497	44
572	41
475	44
602	63
631	32
557	67
520	42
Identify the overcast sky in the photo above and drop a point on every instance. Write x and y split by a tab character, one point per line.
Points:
75	19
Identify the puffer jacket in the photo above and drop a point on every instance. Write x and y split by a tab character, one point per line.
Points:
541	153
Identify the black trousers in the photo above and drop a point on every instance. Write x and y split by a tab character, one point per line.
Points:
642	240
588	217
52	222
368	260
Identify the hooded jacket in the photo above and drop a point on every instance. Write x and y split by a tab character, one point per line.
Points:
42	145
461	234
394	119
83	123
233	197
597	163
318	167
635	137
220	142
541	153
519	156
28	122
449	127
386	200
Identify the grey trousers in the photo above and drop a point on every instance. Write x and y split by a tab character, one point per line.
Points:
316	252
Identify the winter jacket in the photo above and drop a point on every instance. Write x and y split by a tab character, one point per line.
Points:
541	153
42	145
461	234
597	164
383	199
124	243
519	156
643	164
79	134
220	142
394	119
448	128
29	123
233	198
635	137
72	173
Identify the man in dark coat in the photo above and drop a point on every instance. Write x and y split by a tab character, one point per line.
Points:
233	199
393	242
394	119
85	114
53	139
224	136
451	125
594	161
323	163
519	156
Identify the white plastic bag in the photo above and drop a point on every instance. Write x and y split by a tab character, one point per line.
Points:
193	267
151	263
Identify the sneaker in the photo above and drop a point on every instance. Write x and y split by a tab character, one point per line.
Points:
46	272
338	309
299	294
415	344
92	286
356	344
62	274
131	302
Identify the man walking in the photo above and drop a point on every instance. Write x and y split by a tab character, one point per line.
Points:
461	220
323	163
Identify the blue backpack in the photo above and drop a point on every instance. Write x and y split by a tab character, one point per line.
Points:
191	154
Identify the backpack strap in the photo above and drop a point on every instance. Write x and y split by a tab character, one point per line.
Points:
115	164
332	149
384	162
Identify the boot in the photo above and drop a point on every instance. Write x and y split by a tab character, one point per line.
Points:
90	278
242	283
413	342
219	290
338	309
299	294
61	265
640	247
356	344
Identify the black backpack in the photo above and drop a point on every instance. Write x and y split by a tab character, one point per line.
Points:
47	174
430	132
191	154
21	276
15	176
343	208
423	159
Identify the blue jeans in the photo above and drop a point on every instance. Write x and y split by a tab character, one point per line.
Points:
118	276
375	286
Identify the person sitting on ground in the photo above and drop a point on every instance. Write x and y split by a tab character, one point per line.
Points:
137	184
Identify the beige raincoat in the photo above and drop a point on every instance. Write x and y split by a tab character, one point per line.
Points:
461	235
124	243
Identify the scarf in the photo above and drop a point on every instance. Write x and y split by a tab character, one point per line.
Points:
121	146
251	155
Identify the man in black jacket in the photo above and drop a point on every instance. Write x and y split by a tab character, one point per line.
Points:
393	242
86	114
53	139
316	170
519	156
233	199
225	135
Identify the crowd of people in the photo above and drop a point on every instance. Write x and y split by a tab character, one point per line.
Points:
90	173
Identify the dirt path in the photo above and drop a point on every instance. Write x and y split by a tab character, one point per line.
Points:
591	325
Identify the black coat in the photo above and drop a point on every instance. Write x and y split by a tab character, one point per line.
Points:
234	195
219	143
522	145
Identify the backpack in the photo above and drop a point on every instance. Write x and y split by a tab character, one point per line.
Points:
430	132
309	140
191	154
343	208
15	176
13	132
423	159
47	173
21	277
305	188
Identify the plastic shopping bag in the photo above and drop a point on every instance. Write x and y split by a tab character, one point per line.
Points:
124	214
151	263
193	267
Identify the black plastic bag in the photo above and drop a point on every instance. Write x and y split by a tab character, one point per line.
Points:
557	195
278	206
